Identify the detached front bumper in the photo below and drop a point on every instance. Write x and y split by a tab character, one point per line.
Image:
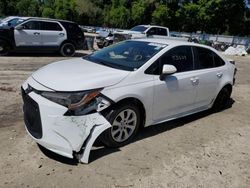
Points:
64	135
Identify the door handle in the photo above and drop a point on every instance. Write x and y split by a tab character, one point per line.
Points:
61	34
194	80
219	74
36	33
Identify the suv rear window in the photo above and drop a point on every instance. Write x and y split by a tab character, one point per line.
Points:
51	26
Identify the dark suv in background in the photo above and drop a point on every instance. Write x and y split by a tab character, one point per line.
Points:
42	35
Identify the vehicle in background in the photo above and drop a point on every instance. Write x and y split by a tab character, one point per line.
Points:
88	29
141	31
104	39
11	21
114	91
42	35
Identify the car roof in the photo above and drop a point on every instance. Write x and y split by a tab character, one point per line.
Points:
170	41
50	19
152	26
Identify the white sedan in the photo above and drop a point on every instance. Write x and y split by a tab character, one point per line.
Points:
112	92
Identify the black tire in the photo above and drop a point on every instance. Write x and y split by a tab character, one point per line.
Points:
100	46
110	139
222	100
67	50
106	44
4	48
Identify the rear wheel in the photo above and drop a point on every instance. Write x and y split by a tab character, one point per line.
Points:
67	50
125	121
4	48
222	99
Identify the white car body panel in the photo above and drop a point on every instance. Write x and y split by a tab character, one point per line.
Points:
73	75
27	37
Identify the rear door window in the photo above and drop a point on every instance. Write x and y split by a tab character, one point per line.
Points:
51	26
161	31
152	31
206	58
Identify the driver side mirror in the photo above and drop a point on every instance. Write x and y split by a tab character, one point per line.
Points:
167	70
20	27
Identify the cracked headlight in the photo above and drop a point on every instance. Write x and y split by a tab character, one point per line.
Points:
79	103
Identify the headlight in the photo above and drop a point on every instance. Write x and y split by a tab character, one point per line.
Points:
78	103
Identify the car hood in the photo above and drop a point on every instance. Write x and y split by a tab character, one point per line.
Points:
78	75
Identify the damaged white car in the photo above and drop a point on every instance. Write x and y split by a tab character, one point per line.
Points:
112	92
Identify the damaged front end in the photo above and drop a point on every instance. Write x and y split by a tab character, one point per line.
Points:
64	122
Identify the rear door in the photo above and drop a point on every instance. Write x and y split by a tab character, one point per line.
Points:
29	35
53	34
208	72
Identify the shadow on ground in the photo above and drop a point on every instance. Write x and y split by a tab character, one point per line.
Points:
100	151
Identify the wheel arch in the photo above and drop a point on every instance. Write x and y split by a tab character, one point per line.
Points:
68	41
136	101
228	86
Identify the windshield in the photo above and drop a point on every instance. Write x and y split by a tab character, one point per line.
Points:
6	19
139	28
12	21
127	55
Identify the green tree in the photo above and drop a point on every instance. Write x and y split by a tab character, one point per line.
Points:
161	15
118	15
28	8
138	12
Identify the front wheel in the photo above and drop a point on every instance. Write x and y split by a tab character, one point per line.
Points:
67	50
125	121
4	48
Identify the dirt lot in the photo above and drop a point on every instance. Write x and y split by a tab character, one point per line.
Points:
203	150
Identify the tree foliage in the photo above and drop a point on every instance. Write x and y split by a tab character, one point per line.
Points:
211	16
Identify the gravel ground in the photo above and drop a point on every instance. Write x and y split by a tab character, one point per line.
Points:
202	150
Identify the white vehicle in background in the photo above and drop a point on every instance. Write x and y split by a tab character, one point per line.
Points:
114	91
142	31
11	21
41	35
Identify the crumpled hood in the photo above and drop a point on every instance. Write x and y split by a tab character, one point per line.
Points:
78	75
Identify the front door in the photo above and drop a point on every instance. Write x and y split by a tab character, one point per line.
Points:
28	35
176	94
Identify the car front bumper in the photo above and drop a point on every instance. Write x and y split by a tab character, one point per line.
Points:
47	125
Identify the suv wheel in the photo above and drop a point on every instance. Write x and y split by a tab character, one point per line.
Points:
222	100
4	48
125	121
67	49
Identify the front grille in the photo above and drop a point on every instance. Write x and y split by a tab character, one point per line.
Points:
32	117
